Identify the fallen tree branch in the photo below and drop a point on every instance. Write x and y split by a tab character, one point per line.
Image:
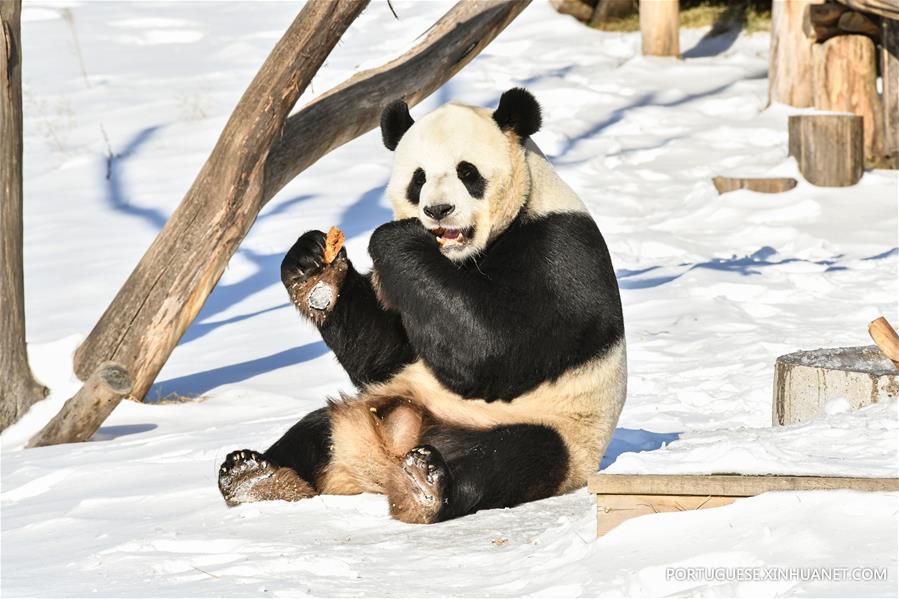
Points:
449	45
165	292
83	413
173	279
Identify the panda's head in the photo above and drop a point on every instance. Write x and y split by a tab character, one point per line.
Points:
461	170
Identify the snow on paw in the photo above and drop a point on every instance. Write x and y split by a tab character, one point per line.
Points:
246	476
420	487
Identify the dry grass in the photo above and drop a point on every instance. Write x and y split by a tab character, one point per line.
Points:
722	16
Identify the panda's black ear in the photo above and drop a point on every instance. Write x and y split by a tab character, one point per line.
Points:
395	121
518	111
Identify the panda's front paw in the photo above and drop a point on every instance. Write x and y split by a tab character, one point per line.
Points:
304	259
397	239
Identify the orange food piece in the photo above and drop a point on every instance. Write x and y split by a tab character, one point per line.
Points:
333	243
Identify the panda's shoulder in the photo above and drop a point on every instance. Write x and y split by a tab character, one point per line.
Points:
562	236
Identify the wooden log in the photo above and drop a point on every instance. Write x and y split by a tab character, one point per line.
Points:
18	388
829	148
620	497
805	382
889	62
824	21
844	78
145	320
884	335
856	22
790	57
83	413
758	184
888	9
660	28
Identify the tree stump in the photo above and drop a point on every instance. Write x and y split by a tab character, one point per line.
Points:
889	60
758	184
790	66
844	77
83	414
805	381
828	147
659	27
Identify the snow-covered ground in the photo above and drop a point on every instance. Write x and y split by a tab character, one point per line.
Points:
714	289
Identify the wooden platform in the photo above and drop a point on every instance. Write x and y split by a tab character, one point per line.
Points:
620	497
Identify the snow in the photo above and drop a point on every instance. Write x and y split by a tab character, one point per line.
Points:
714	289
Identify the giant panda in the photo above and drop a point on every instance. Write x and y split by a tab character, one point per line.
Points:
487	344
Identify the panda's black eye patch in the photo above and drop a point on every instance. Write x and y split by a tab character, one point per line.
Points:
471	178
413	190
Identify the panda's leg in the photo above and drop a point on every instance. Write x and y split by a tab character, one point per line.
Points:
454	471
287	471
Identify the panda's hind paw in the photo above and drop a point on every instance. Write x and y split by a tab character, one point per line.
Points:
420	488
240	472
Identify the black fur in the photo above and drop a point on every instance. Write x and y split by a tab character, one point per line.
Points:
518	110
306	447
369	341
413	190
539	301
496	468
395	121
471	177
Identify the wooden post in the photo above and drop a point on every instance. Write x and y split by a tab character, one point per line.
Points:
18	389
83	413
659	27
790	58
164	293
844	79
828	147
889	52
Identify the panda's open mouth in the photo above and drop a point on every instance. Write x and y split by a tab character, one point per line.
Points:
449	238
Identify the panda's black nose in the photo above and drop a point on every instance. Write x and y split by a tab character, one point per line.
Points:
438	211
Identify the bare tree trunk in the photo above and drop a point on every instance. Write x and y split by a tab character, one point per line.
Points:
167	289
790	66
18	389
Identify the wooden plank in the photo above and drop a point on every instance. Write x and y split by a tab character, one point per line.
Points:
757	184
888	9
728	485
612	510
